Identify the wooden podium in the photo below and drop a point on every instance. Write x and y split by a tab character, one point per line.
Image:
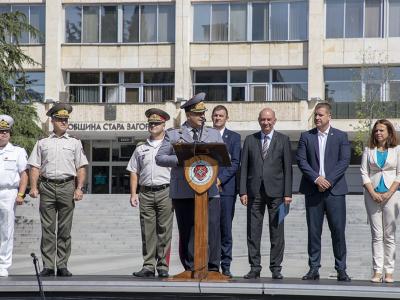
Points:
201	162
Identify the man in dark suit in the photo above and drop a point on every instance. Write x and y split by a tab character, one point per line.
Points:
323	156
227	185
265	180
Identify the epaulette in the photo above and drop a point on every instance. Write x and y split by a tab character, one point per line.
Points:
140	143
172	128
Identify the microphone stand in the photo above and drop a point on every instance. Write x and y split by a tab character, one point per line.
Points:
35	263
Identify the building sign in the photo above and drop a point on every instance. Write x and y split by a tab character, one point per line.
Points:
107	126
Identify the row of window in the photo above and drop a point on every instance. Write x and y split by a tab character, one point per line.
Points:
362	18
268	21
35	16
120	87
370	84
252	85
341	85
120	23
216	22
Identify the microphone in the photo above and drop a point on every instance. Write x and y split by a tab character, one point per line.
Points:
203	120
39	281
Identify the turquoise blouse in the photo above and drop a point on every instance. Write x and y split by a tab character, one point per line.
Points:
381	157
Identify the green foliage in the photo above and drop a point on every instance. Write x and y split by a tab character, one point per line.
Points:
25	131
370	107
12	57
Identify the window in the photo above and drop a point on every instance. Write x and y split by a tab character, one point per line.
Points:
35	16
211	22
219	22
354	18
252	85
120	87
101	24
260	22
34	85
73	16
109	24
394	18
394	84
278	21
342	84
289	85
131	23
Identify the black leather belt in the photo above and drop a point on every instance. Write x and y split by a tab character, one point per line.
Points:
154	188
57	181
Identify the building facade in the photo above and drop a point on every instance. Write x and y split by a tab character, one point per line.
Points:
112	60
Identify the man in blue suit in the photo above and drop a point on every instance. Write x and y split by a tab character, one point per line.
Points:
323	155
180	192
227	185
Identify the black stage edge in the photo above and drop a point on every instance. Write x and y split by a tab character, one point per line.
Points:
127	287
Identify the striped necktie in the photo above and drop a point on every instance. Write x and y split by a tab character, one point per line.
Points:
265	146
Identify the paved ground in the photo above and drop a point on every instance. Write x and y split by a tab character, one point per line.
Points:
106	240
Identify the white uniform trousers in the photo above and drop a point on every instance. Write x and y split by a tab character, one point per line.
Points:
7	215
382	218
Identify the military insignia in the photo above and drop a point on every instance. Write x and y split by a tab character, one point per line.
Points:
200	172
4	124
62	113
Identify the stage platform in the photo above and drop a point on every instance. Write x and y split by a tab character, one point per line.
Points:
128	287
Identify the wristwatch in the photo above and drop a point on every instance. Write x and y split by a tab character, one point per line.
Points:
22	195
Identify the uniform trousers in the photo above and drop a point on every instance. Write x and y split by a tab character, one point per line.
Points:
382	218
7	215
56	212
156	219
255	216
184	210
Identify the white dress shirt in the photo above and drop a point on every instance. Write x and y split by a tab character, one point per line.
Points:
322	138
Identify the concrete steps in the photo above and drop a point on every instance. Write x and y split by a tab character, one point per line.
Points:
107	228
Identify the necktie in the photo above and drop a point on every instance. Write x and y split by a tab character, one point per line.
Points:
265	147
195	135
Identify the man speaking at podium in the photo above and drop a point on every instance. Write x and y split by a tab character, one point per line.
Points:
181	193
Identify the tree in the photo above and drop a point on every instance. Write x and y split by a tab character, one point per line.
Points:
375	76
12	61
25	131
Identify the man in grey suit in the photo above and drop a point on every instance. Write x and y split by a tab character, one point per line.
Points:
265	180
181	193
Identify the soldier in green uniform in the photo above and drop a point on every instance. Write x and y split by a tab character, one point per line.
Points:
156	213
58	174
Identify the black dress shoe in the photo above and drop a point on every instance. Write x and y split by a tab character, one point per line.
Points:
227	272
143	273
252	275
47	272
163	273
342	276
313	274
63	272
277	275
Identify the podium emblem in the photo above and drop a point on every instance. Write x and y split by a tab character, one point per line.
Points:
201	172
